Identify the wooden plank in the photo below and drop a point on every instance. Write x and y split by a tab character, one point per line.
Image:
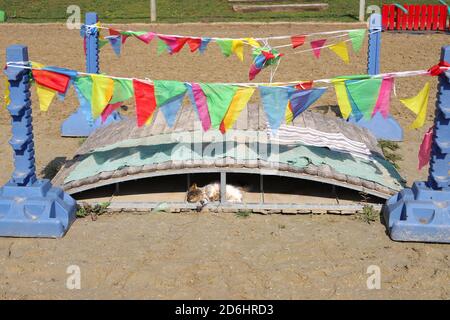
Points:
423	17
443	15
385	16
429	17
435	20
392	15
401	19
411	15
417	12
281	7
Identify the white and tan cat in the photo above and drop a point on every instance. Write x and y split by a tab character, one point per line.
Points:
211	193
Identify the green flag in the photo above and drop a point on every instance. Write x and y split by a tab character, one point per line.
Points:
123	90
219	98
365	94
357	38
162	47
84	84
226	46
166	90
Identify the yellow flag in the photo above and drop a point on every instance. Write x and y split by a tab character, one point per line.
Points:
238	49
289	114
342	97
7	99
45	96
238	104
150	119
341	51
102	92
253	42
418	105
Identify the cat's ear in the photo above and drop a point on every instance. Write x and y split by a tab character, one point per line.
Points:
193	187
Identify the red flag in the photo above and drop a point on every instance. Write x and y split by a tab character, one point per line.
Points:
180	44
113	32
145	101
56	81
304	85
268	55
110	108
297	41
194	43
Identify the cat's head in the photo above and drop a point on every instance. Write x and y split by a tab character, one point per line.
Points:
195	194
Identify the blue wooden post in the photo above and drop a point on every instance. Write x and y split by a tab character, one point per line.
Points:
28	207
80	123
386	129
422	213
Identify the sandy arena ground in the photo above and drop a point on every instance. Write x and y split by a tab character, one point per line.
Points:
203	256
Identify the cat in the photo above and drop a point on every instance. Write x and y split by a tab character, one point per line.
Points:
211	193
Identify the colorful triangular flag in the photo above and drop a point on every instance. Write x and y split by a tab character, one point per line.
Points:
239	102
238	49
219	98
364	94
357	39
297	41
419	105
275	101
102	92
144	94
317	46
45	96
199	101
425	148
383	104
340	49
226	46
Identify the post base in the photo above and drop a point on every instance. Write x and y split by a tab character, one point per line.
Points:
37	211
77	125
419	214
381	128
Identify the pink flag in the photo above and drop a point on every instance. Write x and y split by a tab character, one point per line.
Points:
174	43
110	108
425	148
253	72
317	45
384	98
202	106
147	38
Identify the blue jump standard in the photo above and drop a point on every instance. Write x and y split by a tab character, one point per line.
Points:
386	129
422	213
79	124
29	207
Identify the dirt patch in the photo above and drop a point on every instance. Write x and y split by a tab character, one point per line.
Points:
206	256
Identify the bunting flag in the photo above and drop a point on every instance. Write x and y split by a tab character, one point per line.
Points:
173	43
102	42
110	108
7	93
162	47
169	98
144	94
194	43
342	97
364	93
45	96
239	102
262	58
340	49
418	105
252	42
52	80
116	44
218	97
238	49
83	88
198	99
356	113
357	39
302	100
297	41
275	101
425	148
383	104
226	46
102	92
204	44
114	32
145	37
317	46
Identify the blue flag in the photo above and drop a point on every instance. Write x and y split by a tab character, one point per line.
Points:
116	43
171	108
204	44
275	101
302	100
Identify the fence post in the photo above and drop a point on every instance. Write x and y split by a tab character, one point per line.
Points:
422	213
28	207
80	123
153	10
381	128
362	10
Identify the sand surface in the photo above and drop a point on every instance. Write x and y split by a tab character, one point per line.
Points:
203	255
